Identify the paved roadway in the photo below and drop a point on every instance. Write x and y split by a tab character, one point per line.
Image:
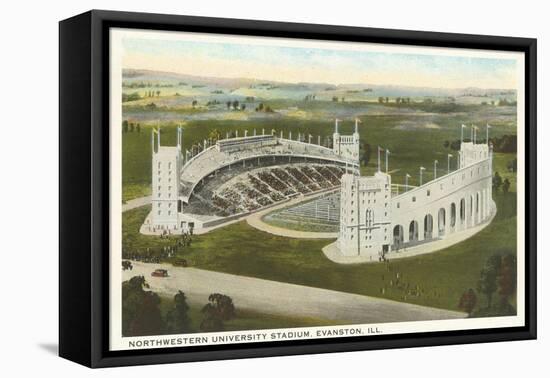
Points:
283	298
135	203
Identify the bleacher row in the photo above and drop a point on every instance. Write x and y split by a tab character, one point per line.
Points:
212	159
274	184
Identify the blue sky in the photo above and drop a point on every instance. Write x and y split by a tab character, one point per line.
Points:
311	64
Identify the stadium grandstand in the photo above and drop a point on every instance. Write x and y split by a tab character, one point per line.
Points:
236	176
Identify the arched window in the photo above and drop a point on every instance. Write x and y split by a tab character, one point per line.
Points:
428	226
453	214
398	236
413	231
441	222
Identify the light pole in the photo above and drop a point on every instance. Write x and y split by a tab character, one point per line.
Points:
435	169
387	154
421	169
379	158
475	129
462	133
407	182
449	156
487	133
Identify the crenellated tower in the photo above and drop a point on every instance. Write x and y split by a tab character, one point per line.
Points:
166	165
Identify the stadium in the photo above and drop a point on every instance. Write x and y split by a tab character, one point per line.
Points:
233	177
307	187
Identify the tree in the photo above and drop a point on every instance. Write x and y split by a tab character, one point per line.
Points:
158	93
487	283
446	144
214	135
219	309
365	157
132	126
497	181
507	278
236	105
468	301
228	103
177	320
381	100
138	128
194	103
125	126
140	309
512	165
243	106
506	185
148	320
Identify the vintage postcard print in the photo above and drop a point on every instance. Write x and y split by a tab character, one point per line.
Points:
269	189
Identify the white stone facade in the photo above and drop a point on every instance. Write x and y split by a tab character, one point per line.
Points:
346	146
375	223
166	167
365	215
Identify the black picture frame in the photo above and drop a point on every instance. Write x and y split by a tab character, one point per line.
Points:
84	186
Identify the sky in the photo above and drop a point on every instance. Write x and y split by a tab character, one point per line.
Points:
307	62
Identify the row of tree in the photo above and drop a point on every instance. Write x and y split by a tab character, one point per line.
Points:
504	143
497	277
398	100
130	127
142	315
263	108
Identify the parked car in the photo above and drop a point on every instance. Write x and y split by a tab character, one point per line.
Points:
180	263
160	273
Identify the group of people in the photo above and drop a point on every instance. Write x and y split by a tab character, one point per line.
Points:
159	254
